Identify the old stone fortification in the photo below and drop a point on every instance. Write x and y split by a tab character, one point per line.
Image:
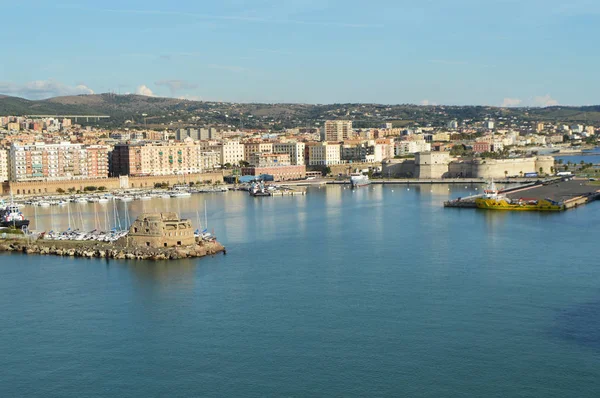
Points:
51	187
499	168
161	230
426	166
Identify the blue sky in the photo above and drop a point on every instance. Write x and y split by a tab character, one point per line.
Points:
487	52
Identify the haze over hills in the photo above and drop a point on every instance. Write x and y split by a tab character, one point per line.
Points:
163	111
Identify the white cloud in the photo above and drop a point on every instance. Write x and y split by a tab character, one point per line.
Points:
190	97
144	90
425	102
39	89
545	100
176	85
508	102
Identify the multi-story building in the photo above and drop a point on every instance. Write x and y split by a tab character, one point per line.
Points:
324	154
156	159
13	126
482	146
250	148
268	159
62	161
402	148
337	130
294	149
182	134
279	173
4	167
590	130
210	160
232	152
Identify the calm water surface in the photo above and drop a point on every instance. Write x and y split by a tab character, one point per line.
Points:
375	292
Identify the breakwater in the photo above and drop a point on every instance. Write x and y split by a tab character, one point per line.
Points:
119	250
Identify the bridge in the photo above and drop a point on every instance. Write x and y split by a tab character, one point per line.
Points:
87	117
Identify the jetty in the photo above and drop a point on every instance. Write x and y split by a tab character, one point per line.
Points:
569	192
152	236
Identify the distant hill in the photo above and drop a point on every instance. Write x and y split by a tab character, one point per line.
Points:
173	112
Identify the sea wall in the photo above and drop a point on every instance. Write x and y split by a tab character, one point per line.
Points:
118	250
125	182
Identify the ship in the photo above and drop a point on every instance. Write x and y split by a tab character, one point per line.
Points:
492	199
359	180
11	217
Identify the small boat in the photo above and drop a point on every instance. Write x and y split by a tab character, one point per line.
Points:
180	194
125	198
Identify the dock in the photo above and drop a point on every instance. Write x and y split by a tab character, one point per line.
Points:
571	193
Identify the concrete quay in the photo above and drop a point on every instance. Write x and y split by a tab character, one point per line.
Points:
440	181
572	193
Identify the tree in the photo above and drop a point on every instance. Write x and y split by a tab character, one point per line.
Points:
227	165
243	163
505	173
60	190
560	161
102	188
90	188
541	170
551	170
71	190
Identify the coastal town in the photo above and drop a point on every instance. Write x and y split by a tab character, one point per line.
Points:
49	155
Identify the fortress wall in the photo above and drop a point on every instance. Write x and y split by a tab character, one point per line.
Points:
399	168
51	187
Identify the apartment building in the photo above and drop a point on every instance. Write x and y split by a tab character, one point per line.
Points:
156	159
250	148
4	166
268	159
61	161
337	130
402	148
324	154
294	149
232	152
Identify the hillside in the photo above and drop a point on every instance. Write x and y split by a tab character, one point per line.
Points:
172	112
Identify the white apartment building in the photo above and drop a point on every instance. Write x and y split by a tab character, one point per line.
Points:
324	154
4	167
210	160
232	152
294	149
337	130
402	148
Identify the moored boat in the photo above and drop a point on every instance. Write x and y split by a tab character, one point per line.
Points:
359	180
492	199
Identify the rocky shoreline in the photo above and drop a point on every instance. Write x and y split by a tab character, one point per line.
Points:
109	251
